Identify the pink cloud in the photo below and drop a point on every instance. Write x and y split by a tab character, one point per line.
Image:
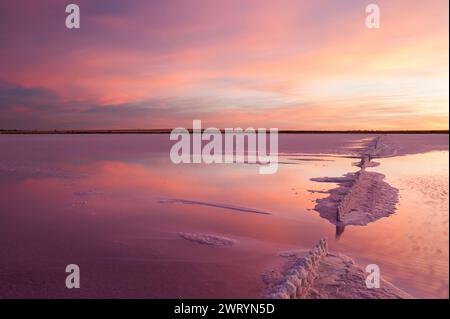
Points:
281	58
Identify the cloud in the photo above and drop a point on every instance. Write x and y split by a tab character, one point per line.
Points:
155	63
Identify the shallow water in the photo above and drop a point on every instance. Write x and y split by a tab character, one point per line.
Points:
115	205
412	246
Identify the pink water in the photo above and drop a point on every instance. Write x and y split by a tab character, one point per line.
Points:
100	201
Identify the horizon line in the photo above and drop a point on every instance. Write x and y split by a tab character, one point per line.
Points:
167	131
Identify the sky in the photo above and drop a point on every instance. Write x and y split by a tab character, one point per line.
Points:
287	64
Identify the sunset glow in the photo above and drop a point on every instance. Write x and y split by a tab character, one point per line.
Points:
286	64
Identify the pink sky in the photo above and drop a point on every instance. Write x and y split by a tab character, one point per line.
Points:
272	63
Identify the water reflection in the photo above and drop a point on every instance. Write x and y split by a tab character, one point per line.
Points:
96	200
339	231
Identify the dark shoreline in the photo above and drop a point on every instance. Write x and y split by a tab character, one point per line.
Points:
167	131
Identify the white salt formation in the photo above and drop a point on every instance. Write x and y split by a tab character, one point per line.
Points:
368	199
361	197
207	239
339	277
299	278
322	274
209	204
